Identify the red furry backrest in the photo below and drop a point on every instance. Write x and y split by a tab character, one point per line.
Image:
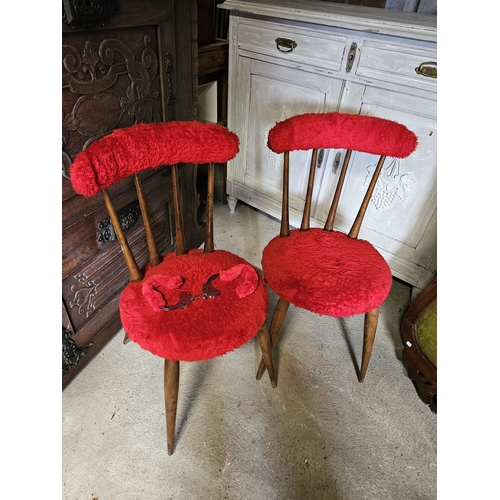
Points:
367	134
129	150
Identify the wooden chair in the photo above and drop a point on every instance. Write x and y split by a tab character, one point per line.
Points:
318	269
188	305
419	334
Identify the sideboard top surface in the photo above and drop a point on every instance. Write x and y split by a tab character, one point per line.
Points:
370	19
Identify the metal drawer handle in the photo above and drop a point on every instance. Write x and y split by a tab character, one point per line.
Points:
321	157
336	163
350	57
429	71
286	43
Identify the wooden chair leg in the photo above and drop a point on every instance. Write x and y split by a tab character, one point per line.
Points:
265	346
278	318
371	320
171	388
224	183
126	338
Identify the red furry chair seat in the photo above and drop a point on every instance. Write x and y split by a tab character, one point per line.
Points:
206	328
189	305
327	272
321	270
195	332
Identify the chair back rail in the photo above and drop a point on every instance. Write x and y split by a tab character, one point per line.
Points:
180	247
338	190
285	213
209	226
306	214
132	267
180	242
356	226
154	257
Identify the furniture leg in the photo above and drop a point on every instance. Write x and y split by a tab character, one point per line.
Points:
371	320
265	346
171	388
224	183
278	318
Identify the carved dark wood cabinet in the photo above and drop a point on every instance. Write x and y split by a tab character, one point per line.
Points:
123	62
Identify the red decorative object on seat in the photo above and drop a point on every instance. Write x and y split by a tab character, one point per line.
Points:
196	331
322	270
188	305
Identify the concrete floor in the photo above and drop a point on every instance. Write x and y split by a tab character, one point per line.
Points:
319	435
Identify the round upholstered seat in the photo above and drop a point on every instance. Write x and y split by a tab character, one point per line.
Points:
326	272
206	328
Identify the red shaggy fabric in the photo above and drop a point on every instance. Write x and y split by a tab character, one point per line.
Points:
153	289
250	276
129	150
326	272
207	327
155	286
368	134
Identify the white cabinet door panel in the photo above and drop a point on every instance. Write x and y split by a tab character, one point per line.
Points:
404	202
273	95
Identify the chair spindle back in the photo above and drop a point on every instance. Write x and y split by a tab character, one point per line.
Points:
306	215
337	131
180	242
209	226
128	151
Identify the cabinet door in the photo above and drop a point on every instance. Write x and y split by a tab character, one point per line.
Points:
401	218
265	94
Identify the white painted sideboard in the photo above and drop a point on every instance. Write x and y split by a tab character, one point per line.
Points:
350	59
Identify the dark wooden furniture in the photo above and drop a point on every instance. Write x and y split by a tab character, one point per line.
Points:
318	269
188	305
123	62
421	370
212	67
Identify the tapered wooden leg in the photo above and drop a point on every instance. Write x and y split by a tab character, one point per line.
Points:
265	346
171	387
126	338
278	318
371	320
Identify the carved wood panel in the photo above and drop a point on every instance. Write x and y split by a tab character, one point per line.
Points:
139	66
108	84
96	271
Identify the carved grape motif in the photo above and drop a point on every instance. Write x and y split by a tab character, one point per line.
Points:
391	185
382	198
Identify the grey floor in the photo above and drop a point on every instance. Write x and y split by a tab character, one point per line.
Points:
319	435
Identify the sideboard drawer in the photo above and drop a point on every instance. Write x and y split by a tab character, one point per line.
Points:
319	49
397	63
212	57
